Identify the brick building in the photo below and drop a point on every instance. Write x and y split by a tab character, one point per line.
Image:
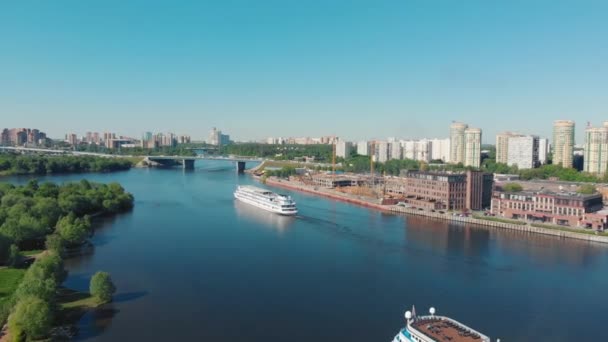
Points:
562	208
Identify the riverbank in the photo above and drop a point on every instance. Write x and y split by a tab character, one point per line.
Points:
370	203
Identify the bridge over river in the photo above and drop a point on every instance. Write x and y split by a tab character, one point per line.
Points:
187	162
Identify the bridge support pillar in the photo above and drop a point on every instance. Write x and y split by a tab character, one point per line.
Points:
188	164
240	166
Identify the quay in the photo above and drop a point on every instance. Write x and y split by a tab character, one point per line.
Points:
394	209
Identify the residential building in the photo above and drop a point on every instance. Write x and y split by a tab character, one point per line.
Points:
523	151
71	139
363	148
217	138
543	150
562	208
472	147
563	142
395	151
343	148
596	150
440	150
184	139
107	139
380	151
502	146
457	142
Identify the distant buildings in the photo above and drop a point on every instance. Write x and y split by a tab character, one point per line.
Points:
22	137
71	139
472	147
380	151
151	141
457	142
543	150
363	148
523	151
217	138
343	149
465	144
502	146
596	150
440	149
563	142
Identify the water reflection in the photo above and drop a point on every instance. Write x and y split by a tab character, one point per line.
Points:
473	242
95	322
249	212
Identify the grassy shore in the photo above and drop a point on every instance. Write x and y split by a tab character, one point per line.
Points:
73	305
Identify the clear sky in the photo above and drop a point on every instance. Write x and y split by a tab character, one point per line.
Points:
356	69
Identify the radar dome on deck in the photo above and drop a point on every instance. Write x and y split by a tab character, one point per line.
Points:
408	315
432	310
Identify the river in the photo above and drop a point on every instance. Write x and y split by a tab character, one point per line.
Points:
190	264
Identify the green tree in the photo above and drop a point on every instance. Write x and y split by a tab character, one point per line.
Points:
13	256
586	189
5	245
102	287
55	243
73	230
31	319
512	187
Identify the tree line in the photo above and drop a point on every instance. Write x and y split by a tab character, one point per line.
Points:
279	152
16	164
139	151
59	217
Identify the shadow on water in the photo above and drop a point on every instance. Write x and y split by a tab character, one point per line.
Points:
96	322
129	296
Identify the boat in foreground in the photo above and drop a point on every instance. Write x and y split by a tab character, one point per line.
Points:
266	199
434	328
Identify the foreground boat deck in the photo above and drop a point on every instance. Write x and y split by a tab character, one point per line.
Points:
443	330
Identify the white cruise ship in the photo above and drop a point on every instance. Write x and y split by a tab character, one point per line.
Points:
266	199
433	328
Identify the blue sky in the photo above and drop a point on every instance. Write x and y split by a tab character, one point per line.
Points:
356	69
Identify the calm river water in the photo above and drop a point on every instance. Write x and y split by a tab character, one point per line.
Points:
190	264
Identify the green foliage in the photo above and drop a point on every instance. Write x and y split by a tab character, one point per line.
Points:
5	245
284	172
31	320
512	187
138	151
101	287
55	243
9	280
74	231
16	164
13	256
586	189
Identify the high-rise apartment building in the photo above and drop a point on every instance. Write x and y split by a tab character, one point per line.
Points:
440	150
343	148
363	148
395	150
457	142
523	151
543	150
380	151
472	147
596	150
563	142
502	146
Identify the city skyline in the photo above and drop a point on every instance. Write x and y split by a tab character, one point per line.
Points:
355	70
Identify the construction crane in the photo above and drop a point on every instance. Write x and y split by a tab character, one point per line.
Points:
372	152
333	159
